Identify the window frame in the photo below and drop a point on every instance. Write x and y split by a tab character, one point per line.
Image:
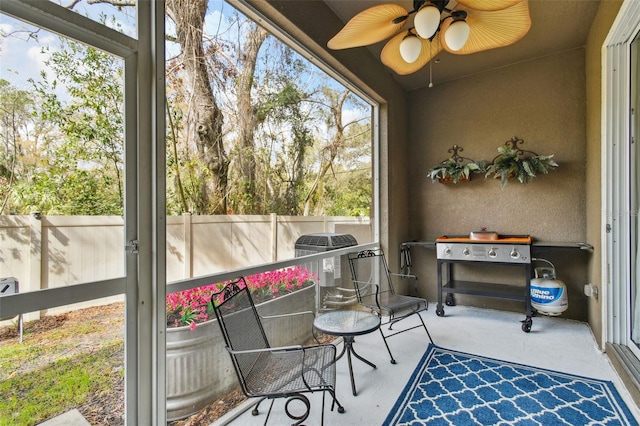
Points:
616	175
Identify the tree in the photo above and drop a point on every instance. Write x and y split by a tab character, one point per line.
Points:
84	170
349	193
283	135
15	113
247	116
329	152
237	91
206	118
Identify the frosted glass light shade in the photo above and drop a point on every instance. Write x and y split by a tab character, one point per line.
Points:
426	21
390	54
410	48
457	35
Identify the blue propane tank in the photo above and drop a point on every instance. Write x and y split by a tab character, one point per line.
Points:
548	294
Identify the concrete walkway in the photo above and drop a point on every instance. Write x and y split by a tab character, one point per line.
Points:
70	418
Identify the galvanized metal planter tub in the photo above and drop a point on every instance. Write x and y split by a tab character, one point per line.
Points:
199	369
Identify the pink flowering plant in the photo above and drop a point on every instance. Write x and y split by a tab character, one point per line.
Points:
193	306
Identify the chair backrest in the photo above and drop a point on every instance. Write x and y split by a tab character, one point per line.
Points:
240	324
369	267
238	317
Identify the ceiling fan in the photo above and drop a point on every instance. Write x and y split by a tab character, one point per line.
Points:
460	27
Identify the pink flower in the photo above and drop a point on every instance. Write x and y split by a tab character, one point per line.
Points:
193	306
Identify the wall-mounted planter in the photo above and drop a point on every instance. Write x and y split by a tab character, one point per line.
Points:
449	179
513	162
199	369
454	169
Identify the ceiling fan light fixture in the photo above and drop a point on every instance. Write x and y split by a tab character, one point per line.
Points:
460	27
457	35
410	48
427	21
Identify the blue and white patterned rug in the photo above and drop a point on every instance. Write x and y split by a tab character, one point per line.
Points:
455	388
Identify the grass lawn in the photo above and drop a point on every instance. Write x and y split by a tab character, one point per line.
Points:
74	360
67	361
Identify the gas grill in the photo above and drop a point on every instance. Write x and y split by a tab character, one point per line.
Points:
484	248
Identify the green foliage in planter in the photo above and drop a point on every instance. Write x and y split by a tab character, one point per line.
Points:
452	169
509	164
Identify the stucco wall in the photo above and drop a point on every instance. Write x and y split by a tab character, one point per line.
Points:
541	101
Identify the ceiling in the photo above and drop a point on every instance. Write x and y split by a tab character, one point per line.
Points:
556	26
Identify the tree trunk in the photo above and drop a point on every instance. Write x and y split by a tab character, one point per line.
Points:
207	118
331	152
247	121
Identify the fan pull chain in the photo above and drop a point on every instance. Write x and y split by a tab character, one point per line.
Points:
430	75
430	67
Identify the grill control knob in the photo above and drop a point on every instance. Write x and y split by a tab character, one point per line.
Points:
492	252
447	251
465	251
514	254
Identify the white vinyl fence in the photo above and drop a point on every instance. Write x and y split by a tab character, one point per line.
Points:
54	251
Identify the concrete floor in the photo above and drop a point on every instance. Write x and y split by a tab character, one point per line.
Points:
553	343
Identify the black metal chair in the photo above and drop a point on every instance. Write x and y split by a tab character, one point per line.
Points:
374	289
266	372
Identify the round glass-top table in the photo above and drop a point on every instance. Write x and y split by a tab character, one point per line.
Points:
348	324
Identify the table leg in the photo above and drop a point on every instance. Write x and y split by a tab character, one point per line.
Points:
366	361
348	347
344	348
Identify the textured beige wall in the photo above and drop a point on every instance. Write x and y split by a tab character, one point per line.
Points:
601	25
541	101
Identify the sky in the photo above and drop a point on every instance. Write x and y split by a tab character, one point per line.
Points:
22	56
21	53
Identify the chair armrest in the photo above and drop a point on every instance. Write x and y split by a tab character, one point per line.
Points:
363	284
375	293
346	290
287	315
274	350
403	275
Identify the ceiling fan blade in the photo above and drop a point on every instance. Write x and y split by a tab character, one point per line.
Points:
490	30
370	26
488	4
390	54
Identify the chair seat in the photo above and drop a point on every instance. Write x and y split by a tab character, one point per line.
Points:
392	304
289	372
